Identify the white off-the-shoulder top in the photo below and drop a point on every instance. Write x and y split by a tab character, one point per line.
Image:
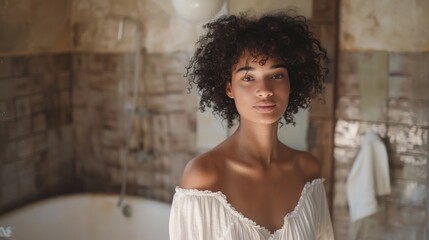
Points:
207	215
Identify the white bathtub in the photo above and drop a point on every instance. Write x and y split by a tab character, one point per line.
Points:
88	217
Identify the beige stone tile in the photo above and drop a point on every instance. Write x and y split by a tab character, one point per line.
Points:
409	112
345	156
322	107
155	84
144	178
66	116
26	166
54	100
80	116
348	80
413	71
405	222
6	67
111	138
7	130
160	123
400	85
113	156
27	187
62	61
340	194
38	102
161	143
79	98
39	64
25	147
157	103
7	110
175	102
7	89
93	169
413	159
349	133
67	151
80	80
349	108
10	194
52	118
411	139
114	175
22	86
38	122
365	75
369	26
78	62
10	152
175	82
20	66
46	82
40	142
64	80
53	137
9	172
23	127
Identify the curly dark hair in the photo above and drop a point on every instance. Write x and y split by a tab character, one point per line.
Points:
276	35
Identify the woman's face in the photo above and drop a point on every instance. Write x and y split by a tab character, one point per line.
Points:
260	92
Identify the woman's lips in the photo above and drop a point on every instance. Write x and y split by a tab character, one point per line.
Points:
265	108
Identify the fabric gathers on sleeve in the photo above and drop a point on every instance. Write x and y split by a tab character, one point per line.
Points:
326	231
190	218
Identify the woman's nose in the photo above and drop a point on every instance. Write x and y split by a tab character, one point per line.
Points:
264	89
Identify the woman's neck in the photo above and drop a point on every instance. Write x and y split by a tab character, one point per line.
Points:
257	143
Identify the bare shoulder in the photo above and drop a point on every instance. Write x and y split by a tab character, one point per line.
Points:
200	173
309	165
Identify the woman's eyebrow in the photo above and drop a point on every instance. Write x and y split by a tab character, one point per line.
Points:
245	68
278	66
249	68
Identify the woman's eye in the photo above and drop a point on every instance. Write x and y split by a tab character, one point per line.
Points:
247	78
278	76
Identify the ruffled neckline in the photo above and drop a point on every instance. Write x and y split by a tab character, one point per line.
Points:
224	200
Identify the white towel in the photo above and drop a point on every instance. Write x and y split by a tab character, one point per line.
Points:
368	177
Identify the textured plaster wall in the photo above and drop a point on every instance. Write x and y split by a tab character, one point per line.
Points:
28	27
95	26
391	25
31	27
303	7
95	23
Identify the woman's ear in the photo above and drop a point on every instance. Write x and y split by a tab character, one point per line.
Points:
228	90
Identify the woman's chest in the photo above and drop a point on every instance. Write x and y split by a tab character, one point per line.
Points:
262	201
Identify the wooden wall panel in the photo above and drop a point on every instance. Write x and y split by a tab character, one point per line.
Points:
322	118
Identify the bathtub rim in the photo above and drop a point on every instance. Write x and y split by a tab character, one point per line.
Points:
46	201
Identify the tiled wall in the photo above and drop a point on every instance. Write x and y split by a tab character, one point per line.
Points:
102	93
36	143
387	93
64	120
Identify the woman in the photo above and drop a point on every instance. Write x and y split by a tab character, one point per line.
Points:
252	186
